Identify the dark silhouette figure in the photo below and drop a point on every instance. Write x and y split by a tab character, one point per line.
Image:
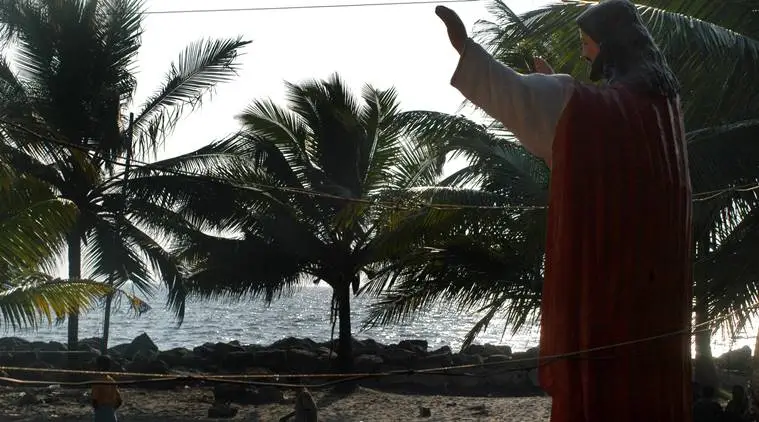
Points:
706	409
737	409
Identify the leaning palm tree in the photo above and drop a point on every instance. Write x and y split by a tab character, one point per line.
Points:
75	80
300	199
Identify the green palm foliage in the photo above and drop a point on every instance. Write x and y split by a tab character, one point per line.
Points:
350	152
64	110
31	216
478	243
713	48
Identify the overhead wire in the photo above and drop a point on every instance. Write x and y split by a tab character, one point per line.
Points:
259	187
305	7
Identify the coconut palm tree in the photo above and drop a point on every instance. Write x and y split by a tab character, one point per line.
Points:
75	81
299	201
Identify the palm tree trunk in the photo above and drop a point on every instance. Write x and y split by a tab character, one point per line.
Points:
112	281
705	370
106	324
345	337
754	390
75	273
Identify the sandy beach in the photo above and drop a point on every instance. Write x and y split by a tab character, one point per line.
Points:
192	404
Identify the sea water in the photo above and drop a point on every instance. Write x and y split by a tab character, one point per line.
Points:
303	314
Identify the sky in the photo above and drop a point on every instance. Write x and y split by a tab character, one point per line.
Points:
405	47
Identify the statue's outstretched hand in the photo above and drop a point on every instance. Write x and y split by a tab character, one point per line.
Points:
456	29
542	66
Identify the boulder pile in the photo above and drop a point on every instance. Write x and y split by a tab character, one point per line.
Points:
504	373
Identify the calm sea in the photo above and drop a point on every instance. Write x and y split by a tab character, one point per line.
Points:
305	314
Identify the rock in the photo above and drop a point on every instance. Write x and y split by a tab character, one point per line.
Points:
304	361
142	343
367	347
431	361
497	358
444	349
487	350
222	411
51	346
417	346
294	343
271	359
368	363
736	360
239	361
146	361
95	343
178	356
467	359
119	349
216	353
397	356
10	344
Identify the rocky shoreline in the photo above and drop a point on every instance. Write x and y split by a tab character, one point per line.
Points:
290	357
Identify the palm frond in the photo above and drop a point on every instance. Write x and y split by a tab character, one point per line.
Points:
33	223
200	67
30	297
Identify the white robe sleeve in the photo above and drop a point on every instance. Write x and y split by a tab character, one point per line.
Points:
529	106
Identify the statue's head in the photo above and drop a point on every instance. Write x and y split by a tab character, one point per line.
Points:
620	48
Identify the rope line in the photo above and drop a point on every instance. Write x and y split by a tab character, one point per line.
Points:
309	7
241	379
258	187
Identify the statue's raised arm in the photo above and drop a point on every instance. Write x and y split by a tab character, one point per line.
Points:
528	105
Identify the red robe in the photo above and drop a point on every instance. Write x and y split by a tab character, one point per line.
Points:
618	260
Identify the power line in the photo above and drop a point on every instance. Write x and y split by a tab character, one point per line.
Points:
309	7
257	187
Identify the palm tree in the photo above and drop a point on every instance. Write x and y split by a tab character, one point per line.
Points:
298	200
75	62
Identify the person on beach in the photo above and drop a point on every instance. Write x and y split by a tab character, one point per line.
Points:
738	409
618	251
106	397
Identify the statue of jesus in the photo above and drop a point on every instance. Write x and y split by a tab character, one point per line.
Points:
618	252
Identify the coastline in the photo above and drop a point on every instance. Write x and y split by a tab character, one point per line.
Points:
494	383
468	394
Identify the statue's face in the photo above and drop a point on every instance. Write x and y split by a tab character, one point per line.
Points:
590	48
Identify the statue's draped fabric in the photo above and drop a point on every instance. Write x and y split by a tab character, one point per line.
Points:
618	258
